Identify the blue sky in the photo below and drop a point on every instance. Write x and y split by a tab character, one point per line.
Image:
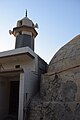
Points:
58	20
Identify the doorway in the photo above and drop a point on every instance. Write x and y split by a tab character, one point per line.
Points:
14	98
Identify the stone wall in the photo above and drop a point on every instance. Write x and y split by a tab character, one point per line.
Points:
59	97
55	111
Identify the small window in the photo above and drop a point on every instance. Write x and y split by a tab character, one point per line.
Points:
17	66
20	33
21	22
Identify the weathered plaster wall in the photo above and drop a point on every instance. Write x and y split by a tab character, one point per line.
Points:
29	64
58	100
59	97
55	111
31	83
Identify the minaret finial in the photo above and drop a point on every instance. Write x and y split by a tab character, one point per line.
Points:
26	12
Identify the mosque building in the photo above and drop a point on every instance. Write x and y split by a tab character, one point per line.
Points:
20	71
32	90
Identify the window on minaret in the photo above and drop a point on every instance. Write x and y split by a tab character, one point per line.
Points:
21	22
20	33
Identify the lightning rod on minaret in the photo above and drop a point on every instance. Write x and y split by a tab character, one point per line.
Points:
26	12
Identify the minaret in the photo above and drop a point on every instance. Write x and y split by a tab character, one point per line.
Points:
25	33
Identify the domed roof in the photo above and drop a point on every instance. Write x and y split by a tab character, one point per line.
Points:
27	19
67	57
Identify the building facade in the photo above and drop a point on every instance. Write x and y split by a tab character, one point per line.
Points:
59	96
20	72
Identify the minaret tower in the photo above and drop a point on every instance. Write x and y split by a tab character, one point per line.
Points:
25	33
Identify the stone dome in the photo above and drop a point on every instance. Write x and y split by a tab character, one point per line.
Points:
59	97
25	21
67	57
